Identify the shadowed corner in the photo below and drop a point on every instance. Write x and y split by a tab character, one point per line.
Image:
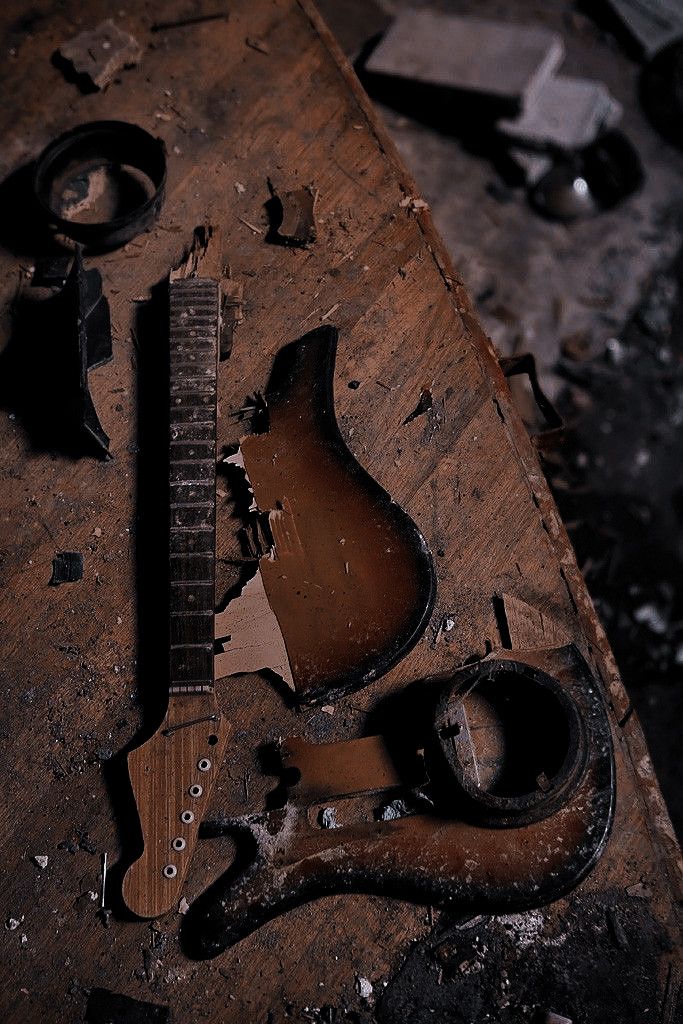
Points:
151	560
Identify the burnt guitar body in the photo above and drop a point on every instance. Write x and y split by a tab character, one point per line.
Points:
348	575
501	800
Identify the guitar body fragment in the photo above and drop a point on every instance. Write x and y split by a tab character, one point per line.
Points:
348	581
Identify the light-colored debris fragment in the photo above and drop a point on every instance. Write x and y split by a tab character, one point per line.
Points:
393	810
330	311
639	891
651	616
413	204
183	906
363	987
328	818
328	709
525	929
41	860
239	188
252	227
568	113
653	23
257	44
99	54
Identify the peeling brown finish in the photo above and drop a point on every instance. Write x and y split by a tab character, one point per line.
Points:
349	577
96	56
250	635
332	836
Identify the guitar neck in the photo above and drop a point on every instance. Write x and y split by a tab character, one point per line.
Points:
194	326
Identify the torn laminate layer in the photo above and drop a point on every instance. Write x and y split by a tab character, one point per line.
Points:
348	575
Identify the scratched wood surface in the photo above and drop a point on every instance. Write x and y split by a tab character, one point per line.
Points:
82	671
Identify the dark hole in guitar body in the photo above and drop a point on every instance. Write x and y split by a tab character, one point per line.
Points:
518	734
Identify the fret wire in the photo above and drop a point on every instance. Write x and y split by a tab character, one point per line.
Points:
194	312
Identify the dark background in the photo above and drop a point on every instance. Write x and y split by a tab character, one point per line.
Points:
599	304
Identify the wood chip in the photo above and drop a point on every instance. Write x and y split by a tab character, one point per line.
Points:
97	56
257	44
252	227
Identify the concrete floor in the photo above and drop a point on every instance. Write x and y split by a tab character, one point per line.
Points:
613	284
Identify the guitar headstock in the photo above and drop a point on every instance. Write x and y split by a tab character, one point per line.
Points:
172	776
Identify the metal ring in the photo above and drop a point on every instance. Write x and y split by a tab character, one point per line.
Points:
187	817
204	764
179	843
195	790
170	871
115	142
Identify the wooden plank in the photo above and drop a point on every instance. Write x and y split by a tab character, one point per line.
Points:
83	671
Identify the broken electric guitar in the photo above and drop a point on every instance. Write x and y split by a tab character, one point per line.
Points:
497	788
172	774
488	790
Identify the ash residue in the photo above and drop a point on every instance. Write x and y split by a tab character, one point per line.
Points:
600	952
618	482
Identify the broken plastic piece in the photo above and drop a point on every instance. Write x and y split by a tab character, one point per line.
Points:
102	183
345	577
89	328
96	57
67	567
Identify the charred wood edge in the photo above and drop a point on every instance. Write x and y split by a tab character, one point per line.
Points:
525	363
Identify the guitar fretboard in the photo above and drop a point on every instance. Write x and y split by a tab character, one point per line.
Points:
194	322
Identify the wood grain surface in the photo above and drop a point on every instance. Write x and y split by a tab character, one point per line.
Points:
84	669
173	773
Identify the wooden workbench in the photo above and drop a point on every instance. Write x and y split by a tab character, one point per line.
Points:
81	672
